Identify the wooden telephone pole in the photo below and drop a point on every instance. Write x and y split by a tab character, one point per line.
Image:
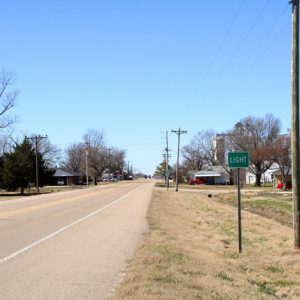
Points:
179	132
36	139
167	149
295	121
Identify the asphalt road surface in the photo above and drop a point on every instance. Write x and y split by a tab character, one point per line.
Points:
70	245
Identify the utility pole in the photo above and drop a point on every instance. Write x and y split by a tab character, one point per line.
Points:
167	159
295	121
36	140
178	132
86	164
165	167
109	163
122	165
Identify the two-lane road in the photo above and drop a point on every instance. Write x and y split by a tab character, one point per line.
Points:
70	245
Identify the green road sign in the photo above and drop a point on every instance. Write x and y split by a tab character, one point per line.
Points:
238	159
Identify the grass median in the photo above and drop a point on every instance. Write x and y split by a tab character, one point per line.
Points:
191	252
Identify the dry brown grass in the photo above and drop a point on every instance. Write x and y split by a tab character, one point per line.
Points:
191	252
5	195
273	205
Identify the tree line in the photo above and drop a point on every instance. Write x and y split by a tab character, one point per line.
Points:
18	163
99	156
260	136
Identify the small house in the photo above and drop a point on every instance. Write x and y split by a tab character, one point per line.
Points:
65	176
211	175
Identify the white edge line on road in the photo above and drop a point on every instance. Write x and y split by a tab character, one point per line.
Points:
63	229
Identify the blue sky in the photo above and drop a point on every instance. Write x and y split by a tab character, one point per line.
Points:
137	68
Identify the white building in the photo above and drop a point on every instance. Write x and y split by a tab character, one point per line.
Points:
219	147
266	177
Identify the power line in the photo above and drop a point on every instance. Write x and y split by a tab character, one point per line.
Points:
243	40
269	46
221	44
267	32
246	68
251	66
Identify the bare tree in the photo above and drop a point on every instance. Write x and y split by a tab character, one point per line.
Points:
193	158
208	148
182	173
98	158
8	98
6	144
201	151
50	153
116	160
76	158
257	136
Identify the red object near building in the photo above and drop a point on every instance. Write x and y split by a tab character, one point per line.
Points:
196	181
280	185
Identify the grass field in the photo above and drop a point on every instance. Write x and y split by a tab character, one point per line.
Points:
191	250
273	205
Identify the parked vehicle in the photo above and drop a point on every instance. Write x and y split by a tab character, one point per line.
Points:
288	185
196	181
60	182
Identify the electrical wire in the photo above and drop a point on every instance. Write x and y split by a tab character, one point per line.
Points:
266	49
247	68
221	45
243	40
268	32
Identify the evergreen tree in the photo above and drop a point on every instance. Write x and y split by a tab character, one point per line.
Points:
161	169
45	172
19	168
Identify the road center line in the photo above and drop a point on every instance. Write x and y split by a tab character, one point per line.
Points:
64	228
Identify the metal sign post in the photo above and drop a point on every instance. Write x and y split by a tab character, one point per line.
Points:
239	210
238	160
167	175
